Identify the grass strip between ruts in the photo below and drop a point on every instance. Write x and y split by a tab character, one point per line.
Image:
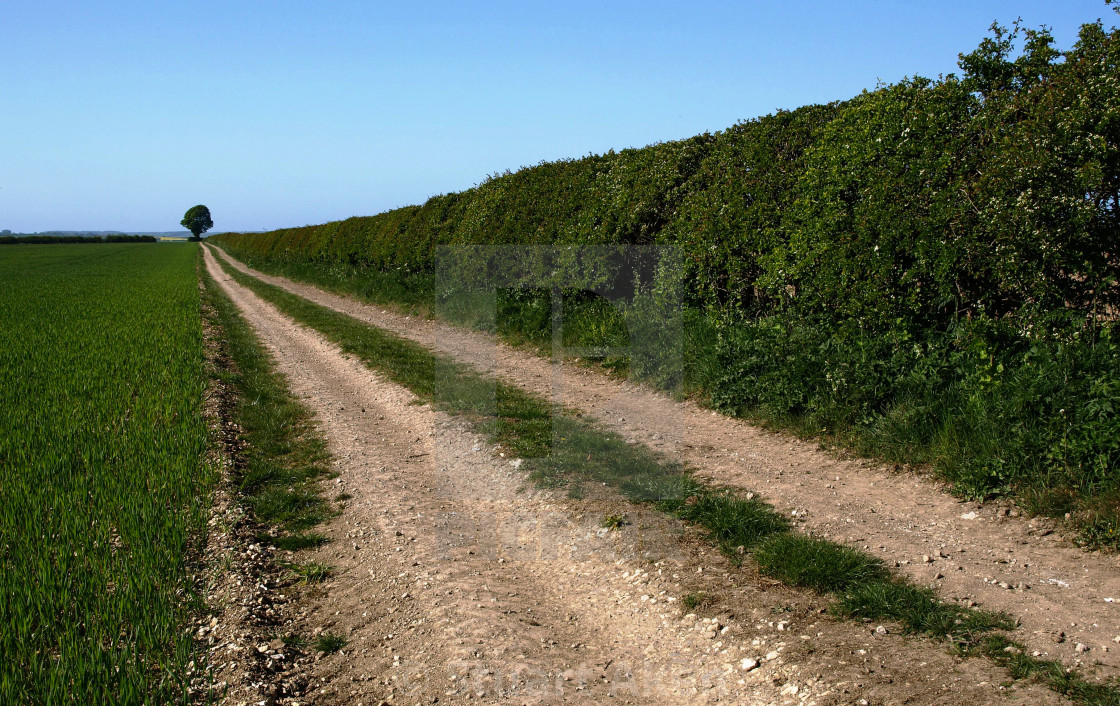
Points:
284	458
571	449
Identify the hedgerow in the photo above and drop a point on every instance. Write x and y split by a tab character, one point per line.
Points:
928	271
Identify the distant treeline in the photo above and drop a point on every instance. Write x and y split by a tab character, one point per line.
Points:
929	270
51	239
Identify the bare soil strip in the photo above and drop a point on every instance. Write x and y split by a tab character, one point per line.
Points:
1068	600
455	582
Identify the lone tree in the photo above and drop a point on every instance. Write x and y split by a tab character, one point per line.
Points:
197	221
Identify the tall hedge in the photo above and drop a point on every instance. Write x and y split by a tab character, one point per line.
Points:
992	193
932	255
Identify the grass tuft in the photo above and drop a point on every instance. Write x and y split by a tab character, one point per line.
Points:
1071	684
295	541
293	639
312	572
812	562
614	522
732	521
692	601
329	643
918	611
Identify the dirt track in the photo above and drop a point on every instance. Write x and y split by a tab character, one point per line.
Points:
454	582
1058	591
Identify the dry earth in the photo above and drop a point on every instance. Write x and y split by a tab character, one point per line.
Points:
456	583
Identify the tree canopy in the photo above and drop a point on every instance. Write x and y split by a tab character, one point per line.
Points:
197	220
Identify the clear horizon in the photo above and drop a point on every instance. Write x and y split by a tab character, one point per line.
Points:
123	115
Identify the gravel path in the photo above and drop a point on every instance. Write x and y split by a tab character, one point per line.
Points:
454	582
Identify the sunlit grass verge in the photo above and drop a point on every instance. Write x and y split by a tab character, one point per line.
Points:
971	632
918	611
283	459
574	450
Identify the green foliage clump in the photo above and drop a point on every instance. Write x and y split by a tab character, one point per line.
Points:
919	611
197	220
329	643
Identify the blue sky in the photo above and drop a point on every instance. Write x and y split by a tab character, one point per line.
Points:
121	115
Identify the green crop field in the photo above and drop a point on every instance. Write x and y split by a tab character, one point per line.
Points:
103	476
